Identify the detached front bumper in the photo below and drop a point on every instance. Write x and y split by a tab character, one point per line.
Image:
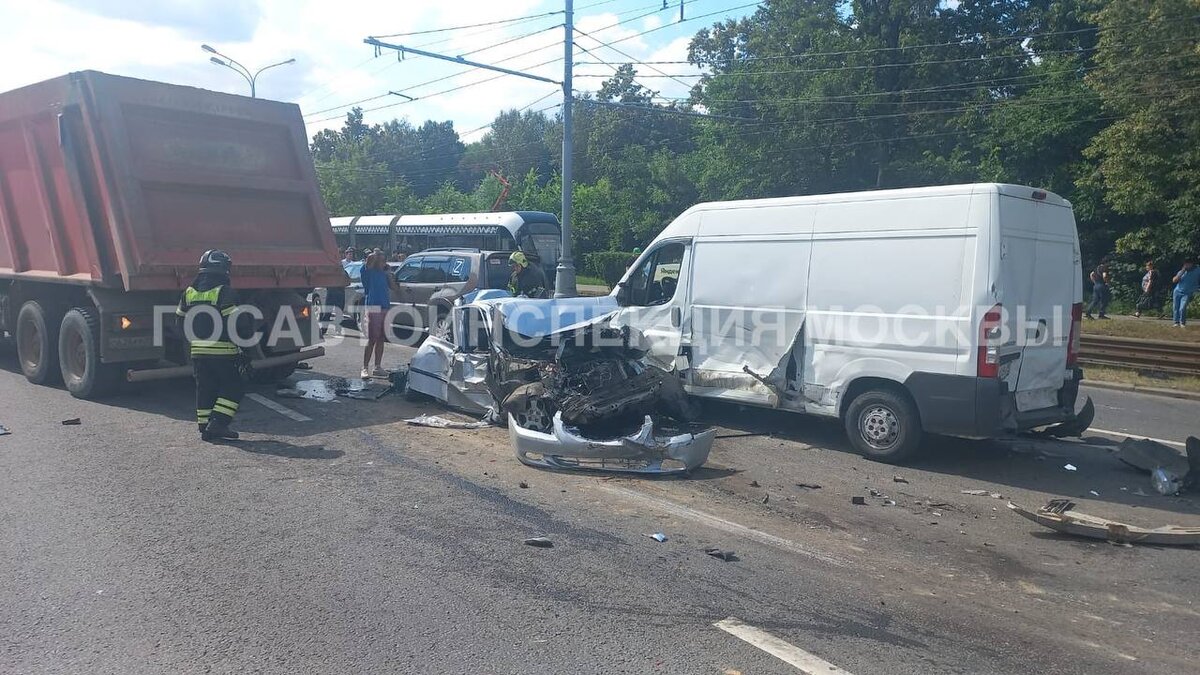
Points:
650	450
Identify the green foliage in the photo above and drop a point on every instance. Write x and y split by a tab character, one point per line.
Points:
1096	100
608	265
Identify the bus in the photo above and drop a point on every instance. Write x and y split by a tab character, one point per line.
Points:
537	233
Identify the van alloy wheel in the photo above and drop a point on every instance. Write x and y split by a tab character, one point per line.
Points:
879	427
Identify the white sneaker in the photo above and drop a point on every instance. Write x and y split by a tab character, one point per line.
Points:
366	372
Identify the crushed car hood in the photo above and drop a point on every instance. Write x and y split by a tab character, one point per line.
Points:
543	318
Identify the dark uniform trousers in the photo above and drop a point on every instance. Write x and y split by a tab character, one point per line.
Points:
219	389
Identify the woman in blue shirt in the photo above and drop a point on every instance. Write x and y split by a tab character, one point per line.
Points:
377	284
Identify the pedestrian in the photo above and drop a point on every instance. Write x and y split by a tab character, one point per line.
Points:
1100	291
215	357
377	285
526	280
1151	283
1187	281
348	257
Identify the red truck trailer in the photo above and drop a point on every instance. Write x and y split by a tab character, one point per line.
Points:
112	188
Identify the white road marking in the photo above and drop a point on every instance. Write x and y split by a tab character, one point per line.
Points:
724	525
282	410
1124	434
784	651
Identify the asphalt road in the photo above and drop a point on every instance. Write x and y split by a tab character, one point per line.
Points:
352	542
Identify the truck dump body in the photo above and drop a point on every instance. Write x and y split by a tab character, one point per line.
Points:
123	183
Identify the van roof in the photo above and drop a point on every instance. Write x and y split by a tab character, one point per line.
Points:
1006	189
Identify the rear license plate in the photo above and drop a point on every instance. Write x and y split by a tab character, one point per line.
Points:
1036	399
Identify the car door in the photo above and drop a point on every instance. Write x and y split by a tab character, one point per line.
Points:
403	296
653	297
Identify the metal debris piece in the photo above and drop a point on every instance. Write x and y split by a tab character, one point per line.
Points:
73	422
658	536
889	502
766	498
1059	516
539	542
899	479
974	493
1093	493
858	500
4	430
1070	467
727	556
439	422
808	486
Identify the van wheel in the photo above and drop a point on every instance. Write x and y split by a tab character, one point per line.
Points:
883	425
79	356
37	344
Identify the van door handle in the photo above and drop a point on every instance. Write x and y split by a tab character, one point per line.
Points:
676	317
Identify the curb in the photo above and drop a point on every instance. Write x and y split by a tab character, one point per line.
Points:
1152	391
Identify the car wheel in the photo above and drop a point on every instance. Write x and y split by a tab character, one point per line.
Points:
79	356
37	343
883	425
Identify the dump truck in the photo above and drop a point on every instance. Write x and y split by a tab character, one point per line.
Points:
112	188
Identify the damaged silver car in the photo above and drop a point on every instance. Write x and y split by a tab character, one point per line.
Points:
576	393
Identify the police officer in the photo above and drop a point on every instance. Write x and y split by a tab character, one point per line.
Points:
215	358
527	280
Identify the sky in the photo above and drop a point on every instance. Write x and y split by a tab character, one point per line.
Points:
160	40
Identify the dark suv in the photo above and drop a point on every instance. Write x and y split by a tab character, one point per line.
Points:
428	283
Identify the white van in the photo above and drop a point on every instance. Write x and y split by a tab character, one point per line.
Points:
953	310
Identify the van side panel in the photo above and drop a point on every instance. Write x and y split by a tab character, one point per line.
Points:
890	291
748	300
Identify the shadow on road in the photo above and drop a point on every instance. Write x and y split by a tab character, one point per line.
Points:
285	449
1025	463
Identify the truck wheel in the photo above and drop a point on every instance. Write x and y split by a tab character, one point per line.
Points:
883	425
79	356
37	344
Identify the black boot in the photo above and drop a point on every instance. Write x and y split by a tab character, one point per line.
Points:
218	430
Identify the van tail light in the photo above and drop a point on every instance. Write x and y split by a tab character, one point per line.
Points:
989	344
1076	329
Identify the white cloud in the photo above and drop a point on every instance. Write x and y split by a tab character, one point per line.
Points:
48	38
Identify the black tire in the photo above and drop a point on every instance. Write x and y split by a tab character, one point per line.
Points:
37	343
883	425
79	356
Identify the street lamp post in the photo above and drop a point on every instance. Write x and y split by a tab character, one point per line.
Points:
228	62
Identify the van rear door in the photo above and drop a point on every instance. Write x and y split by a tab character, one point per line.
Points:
1039	260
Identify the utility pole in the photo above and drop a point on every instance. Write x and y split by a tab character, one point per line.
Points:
564	283
251	78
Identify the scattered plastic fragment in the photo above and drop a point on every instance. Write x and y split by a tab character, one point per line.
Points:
1070	467
1093	493
539	542
4	430
439	422
974	493
889	502
766	498
658	536
523	485
73	422
754	483
899	479
1165	481
808	486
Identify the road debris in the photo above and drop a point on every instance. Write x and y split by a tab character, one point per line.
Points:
1093	493
1170	472
858	500
808	486
439	422
539	542
754	483
73	422
1058	515
523	485
4	430
1070	467
982	493
899	479
658	536
766	498
727	556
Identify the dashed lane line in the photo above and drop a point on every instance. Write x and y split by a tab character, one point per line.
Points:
281	409
719	523
784	651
